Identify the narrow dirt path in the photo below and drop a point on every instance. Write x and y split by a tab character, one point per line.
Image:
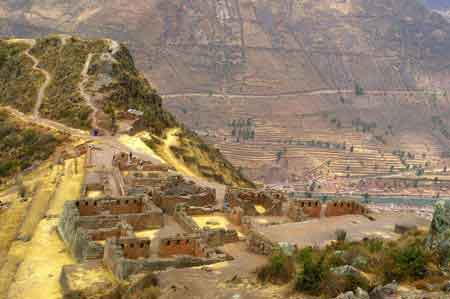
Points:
82	87
291	94
48	78
42	89
46	123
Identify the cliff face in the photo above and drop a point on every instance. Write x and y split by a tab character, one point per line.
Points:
256	47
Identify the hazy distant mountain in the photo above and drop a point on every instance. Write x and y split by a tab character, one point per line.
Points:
438	4
257	47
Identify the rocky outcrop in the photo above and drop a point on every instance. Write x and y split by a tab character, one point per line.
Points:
358	294
352	273
388	291
439	236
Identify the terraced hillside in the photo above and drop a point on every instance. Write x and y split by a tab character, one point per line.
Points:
343	136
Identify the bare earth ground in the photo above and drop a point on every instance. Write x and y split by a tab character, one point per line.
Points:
320	232
236	279
46	253
228	280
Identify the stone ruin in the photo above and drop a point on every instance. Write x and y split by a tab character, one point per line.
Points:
104	230
345	207
178	190
246	202
258	243
125	257
117	202
86	223
301	209
128	162
133	195
213	236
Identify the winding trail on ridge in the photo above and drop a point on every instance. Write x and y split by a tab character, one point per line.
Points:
48	77
84	94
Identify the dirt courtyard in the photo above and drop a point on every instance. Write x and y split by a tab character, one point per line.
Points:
227	280
320	232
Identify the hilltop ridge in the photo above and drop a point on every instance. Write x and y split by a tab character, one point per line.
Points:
91	85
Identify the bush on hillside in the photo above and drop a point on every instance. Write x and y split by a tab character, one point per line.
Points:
280	269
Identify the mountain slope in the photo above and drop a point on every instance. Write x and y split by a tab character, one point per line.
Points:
90	84
258	47
438	4
21	146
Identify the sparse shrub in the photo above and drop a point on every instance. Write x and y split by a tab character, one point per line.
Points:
359	91
280	269
341	235
408	262
313	271
21	147
374	244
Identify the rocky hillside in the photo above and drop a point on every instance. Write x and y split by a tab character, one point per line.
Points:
21	146
257	47
90	84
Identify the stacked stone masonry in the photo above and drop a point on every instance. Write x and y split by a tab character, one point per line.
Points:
345	207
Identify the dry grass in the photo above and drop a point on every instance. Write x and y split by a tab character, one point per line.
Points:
38	274
25	266
70	185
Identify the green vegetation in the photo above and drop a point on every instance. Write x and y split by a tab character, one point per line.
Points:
242	129
343	266
312	271
65	63
279	269
359	90
130	90
21	147
19	83
361	125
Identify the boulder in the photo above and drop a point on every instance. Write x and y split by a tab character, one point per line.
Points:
351	272
388	291
358	294
439	235
348	295
361	294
